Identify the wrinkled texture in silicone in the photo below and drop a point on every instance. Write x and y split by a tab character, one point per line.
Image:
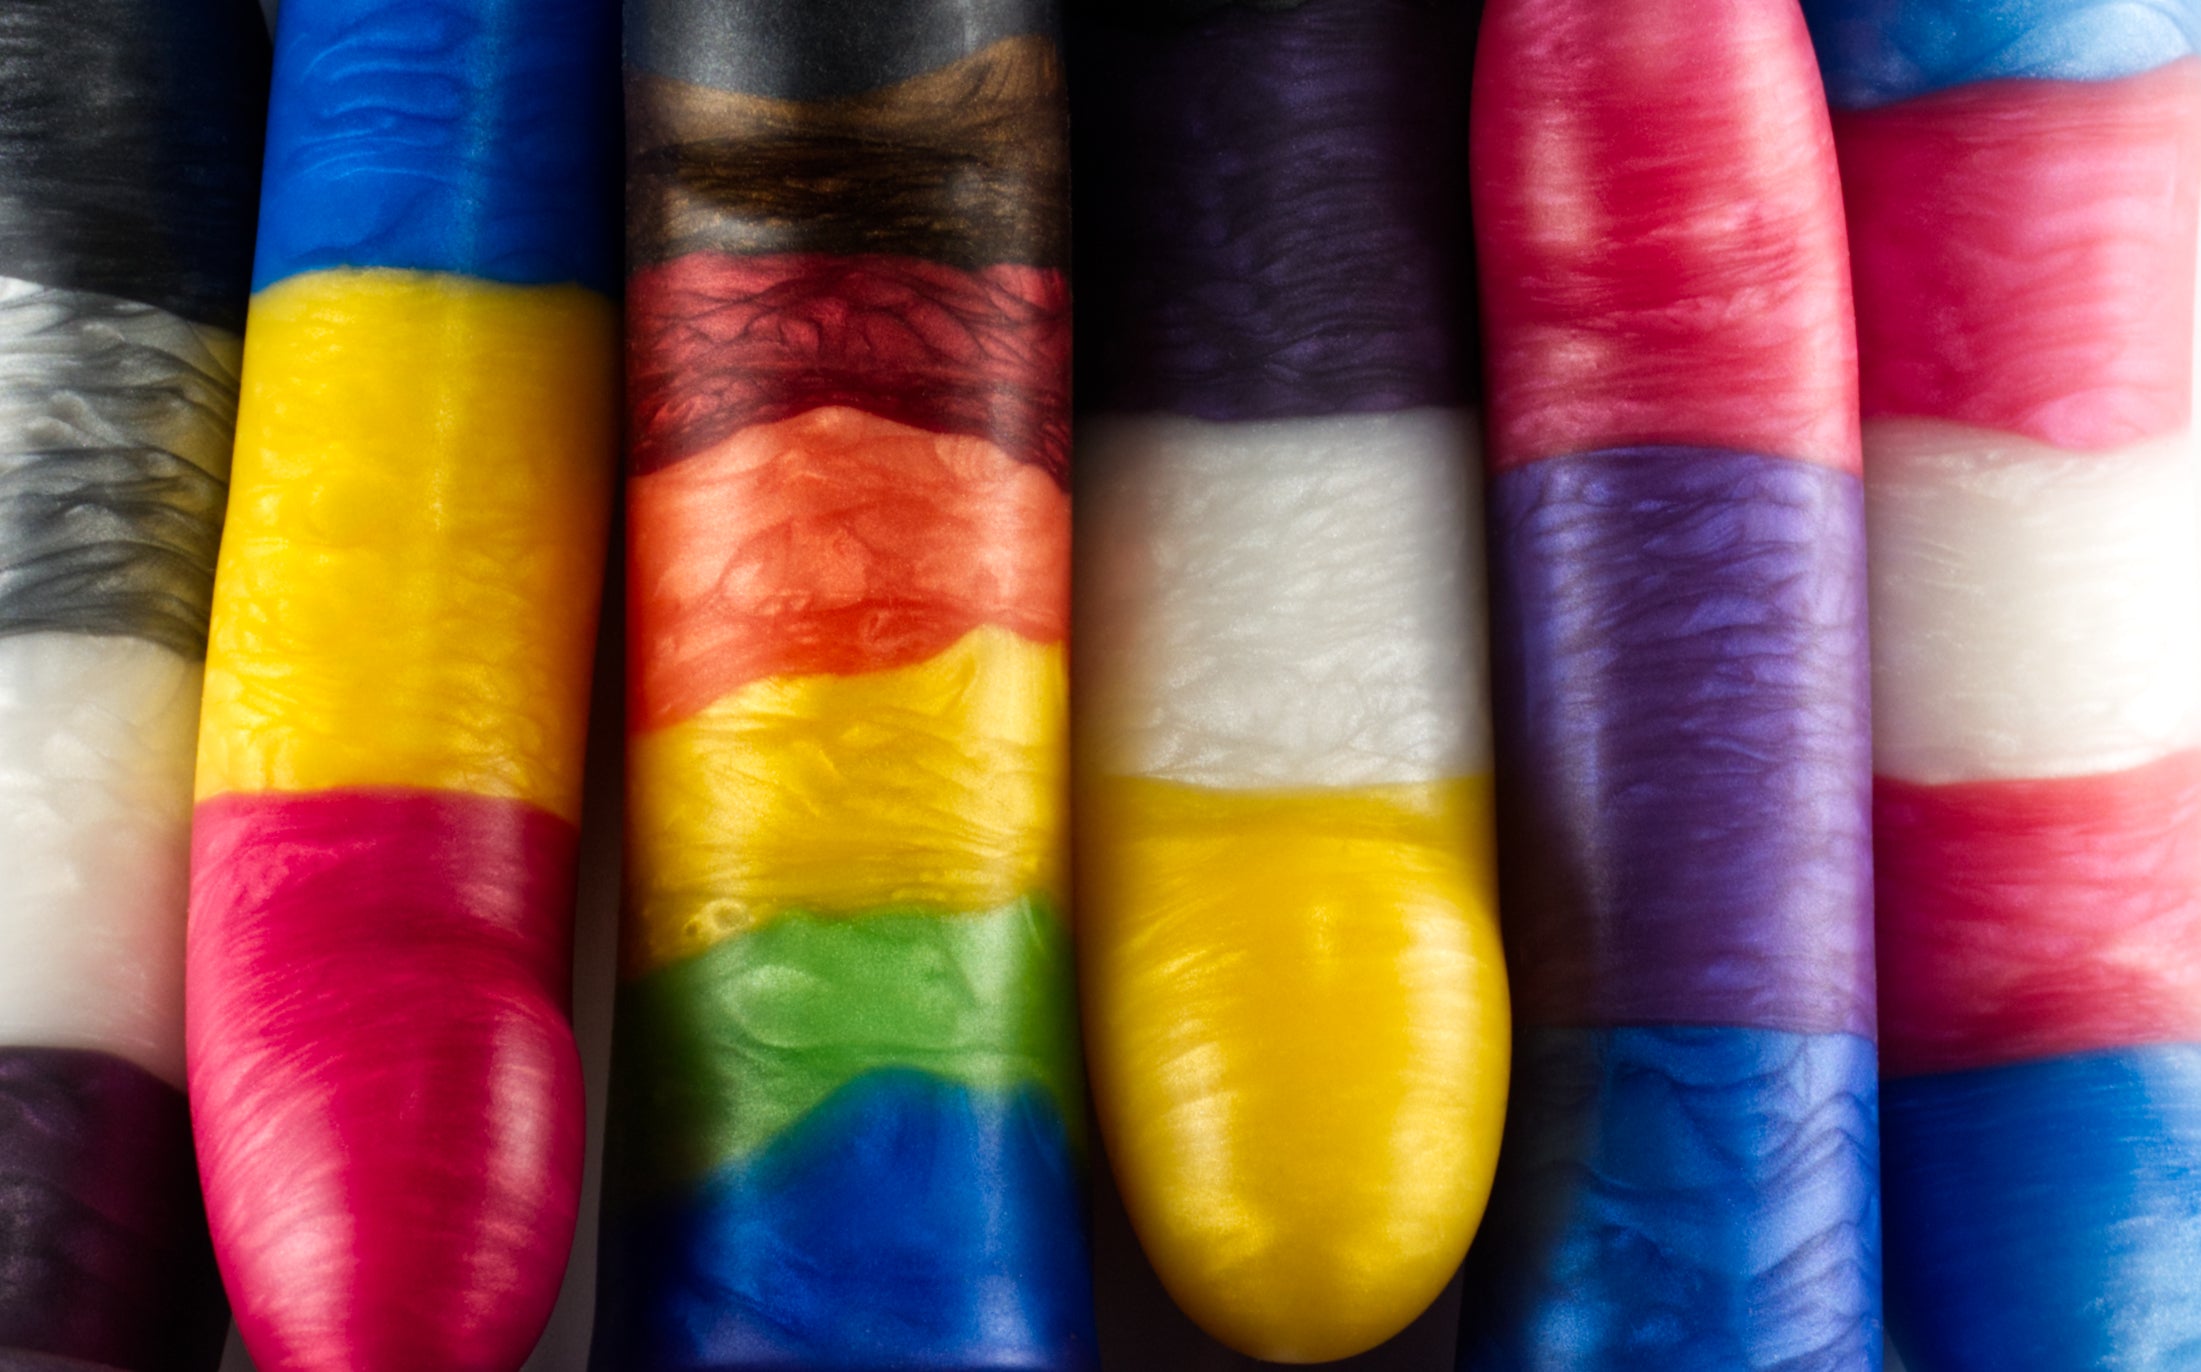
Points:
820	49
907	1221
2024	254
1876	52
1683	703
1682	1197
1283	603
1659	226
2042	1216
964	165
719	343
103	1252
1298	1011
1266	225
387	148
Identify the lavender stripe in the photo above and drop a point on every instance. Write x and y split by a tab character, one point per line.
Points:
1684	740
1271	220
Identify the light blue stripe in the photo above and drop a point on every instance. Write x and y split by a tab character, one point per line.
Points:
1874	52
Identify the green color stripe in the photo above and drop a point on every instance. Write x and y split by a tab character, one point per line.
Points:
717	1054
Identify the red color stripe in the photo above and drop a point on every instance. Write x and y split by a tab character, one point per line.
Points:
384	1086
2024	255
718	343
1660	231
2026	919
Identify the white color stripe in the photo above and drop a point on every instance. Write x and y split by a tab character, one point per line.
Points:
1291	603
96	740
2036	613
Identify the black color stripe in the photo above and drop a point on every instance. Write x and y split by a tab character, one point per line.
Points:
820	49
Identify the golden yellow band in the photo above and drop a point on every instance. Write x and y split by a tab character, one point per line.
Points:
1297	1024
407	586
938	787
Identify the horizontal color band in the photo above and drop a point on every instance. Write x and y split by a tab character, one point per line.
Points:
1284	603
95	819
2035	612
1875	52
1683	706
103	1251
2043	1217
1659	226
907	1223
838	543
819	49
1682	1198
116	421
383	1081
939	786
965	165
469	136
1270	218
720	1053
1296	1013
130	149
716	343
2021	919
415	541
1956	202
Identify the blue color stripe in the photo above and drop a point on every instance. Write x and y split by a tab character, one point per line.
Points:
2047	1216
1874	52
470	136
1679	1200
908	1222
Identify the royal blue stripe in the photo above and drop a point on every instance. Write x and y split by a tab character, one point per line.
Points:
1873	52
1681	1200
908	1222
470	136
2047	1216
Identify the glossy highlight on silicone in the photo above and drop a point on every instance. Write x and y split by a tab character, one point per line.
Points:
362	391
722	1052
822	49
103	1251
1877	52
964	166
717	343
1301	997
940	786
1682	1197
1683	703
1957	199
2094	1267
442	136
116	420
906	1222
1658	223
1277	242
386	1091
130	150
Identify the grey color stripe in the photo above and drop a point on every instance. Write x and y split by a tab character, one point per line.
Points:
116	421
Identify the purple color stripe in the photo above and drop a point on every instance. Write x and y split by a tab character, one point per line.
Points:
1685	741
1271	221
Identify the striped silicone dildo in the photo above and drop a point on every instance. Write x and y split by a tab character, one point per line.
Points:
384	1085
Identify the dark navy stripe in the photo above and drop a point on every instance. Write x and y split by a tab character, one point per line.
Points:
820	49
1682	695
1874	52
1271	212
130	149
907	1222
477	137
2047	1215
1681	1200
103	1249
116	421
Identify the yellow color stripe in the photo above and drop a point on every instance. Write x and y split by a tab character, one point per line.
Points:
408	583
1296	1018
933	787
